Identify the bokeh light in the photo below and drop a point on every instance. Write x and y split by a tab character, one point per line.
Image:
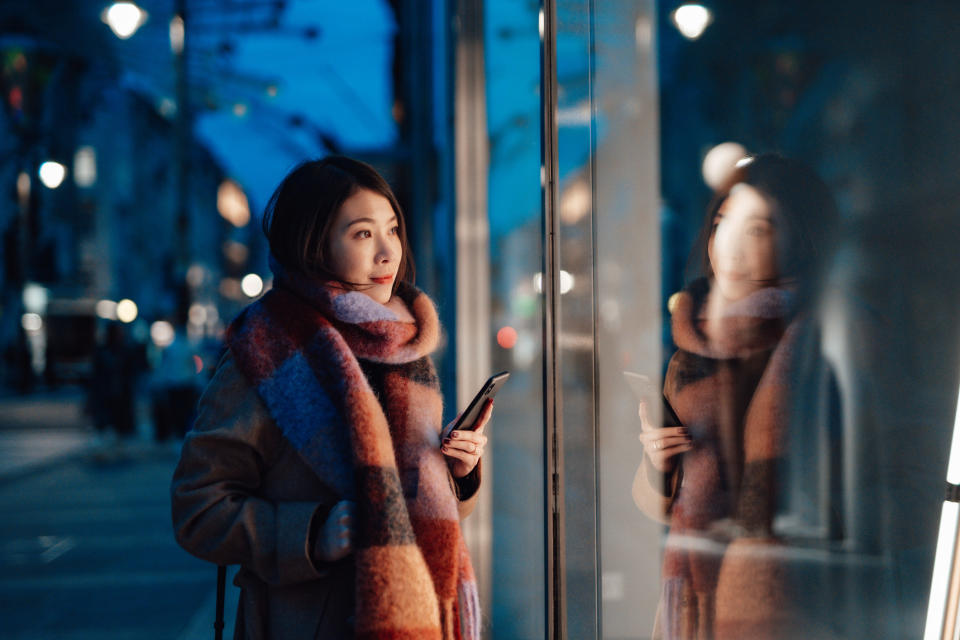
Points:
106	309
161	333
720	163
23	186
507	337
575	202
691	20
35	297
85	167
178	35
124	18
232	204
252	285
31	322
566	282
197	314
52	174
196	274
167	107
127	310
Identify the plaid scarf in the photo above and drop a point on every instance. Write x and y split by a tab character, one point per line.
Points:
730	385
299	345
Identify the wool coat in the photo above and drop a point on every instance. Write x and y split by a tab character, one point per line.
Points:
721	576
241	494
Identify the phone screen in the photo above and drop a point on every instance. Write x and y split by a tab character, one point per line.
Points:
473	410
647	391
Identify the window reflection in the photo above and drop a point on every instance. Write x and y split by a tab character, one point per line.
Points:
714	468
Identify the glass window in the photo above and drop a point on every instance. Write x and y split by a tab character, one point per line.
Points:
515	459
796	312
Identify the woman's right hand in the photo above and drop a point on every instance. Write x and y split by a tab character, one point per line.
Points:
662	445
335	538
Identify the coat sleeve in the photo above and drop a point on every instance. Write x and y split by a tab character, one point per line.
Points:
467	490
654	492
218	511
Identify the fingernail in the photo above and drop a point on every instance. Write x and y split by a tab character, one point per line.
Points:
446	440
455	434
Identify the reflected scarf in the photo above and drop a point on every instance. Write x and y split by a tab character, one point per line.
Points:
299	345
730	385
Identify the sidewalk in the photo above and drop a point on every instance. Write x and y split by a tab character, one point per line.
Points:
109	513
42	429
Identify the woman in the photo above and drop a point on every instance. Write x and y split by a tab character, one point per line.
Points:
713	478
315	461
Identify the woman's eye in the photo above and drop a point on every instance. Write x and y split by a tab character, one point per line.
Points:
395	230
758	232
363	234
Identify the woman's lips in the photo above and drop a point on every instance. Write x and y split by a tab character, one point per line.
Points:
383	279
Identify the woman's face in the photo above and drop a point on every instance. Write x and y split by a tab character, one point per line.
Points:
364	244
742	247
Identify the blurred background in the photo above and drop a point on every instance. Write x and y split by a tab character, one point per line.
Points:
140	142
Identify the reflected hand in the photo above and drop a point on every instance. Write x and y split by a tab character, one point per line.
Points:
662	445
335	539
463	448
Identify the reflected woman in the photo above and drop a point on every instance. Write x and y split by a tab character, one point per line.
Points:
713	478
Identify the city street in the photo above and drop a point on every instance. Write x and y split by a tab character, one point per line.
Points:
86	547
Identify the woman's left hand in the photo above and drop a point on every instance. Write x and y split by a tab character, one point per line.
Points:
463	447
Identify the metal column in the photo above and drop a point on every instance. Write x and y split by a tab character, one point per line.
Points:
473	254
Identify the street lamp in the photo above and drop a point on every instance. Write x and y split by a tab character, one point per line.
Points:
52	174
124	18
691	20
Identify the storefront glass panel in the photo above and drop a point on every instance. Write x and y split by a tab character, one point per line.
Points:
517	596
818	433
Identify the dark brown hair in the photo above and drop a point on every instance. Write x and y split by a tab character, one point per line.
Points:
298	218
804	211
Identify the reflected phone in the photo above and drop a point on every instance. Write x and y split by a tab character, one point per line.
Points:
646	391
469	416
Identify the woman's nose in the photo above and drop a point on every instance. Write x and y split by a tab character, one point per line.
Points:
385	251
730	245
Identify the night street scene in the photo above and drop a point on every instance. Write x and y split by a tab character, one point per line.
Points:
259	255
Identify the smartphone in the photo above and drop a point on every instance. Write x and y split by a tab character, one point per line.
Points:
646	391
489	389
